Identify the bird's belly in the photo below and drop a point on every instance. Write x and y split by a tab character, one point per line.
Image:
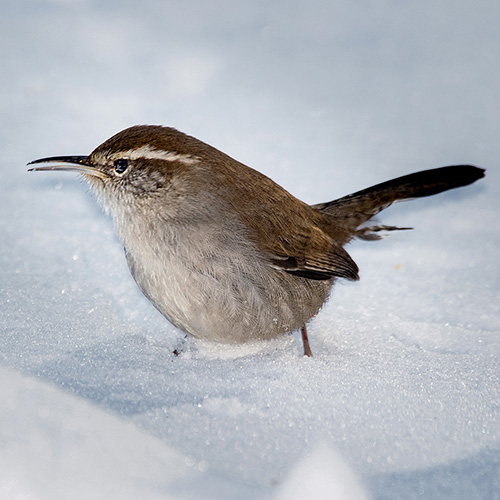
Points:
226	299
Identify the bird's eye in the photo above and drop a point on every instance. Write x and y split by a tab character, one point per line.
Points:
121	165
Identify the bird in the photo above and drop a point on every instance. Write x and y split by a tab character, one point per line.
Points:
220	249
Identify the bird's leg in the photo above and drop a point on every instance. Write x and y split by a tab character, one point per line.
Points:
305	341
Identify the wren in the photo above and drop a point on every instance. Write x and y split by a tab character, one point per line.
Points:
222	251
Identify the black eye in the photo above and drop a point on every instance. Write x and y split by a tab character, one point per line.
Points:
120	165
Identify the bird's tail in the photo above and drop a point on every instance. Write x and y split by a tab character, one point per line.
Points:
354	210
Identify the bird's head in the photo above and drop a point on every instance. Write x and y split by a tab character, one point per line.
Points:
137	162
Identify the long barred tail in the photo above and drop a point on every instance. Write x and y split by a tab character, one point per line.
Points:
355	209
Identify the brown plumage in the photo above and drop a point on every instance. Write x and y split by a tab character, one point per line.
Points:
221	250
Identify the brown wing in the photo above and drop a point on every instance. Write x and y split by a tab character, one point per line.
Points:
295	237
314	256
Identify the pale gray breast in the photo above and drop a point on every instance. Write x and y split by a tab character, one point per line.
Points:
213	283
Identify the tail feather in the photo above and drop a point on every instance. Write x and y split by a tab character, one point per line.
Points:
355	209
371	233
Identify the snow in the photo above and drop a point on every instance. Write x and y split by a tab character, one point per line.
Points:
323	475
402	397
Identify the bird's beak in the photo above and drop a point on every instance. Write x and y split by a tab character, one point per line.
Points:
79	164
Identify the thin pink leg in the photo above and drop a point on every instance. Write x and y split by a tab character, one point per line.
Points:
305	341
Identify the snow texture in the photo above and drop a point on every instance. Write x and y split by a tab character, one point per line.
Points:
402	397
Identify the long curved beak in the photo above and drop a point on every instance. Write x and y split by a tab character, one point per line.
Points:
78	164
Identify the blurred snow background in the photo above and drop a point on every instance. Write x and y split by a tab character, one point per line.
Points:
402	397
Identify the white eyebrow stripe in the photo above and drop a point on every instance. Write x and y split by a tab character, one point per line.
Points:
149	153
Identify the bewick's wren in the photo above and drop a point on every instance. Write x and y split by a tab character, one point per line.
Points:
222	251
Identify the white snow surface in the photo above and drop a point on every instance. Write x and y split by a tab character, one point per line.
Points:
401	399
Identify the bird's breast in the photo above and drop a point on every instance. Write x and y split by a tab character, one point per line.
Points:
215	283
